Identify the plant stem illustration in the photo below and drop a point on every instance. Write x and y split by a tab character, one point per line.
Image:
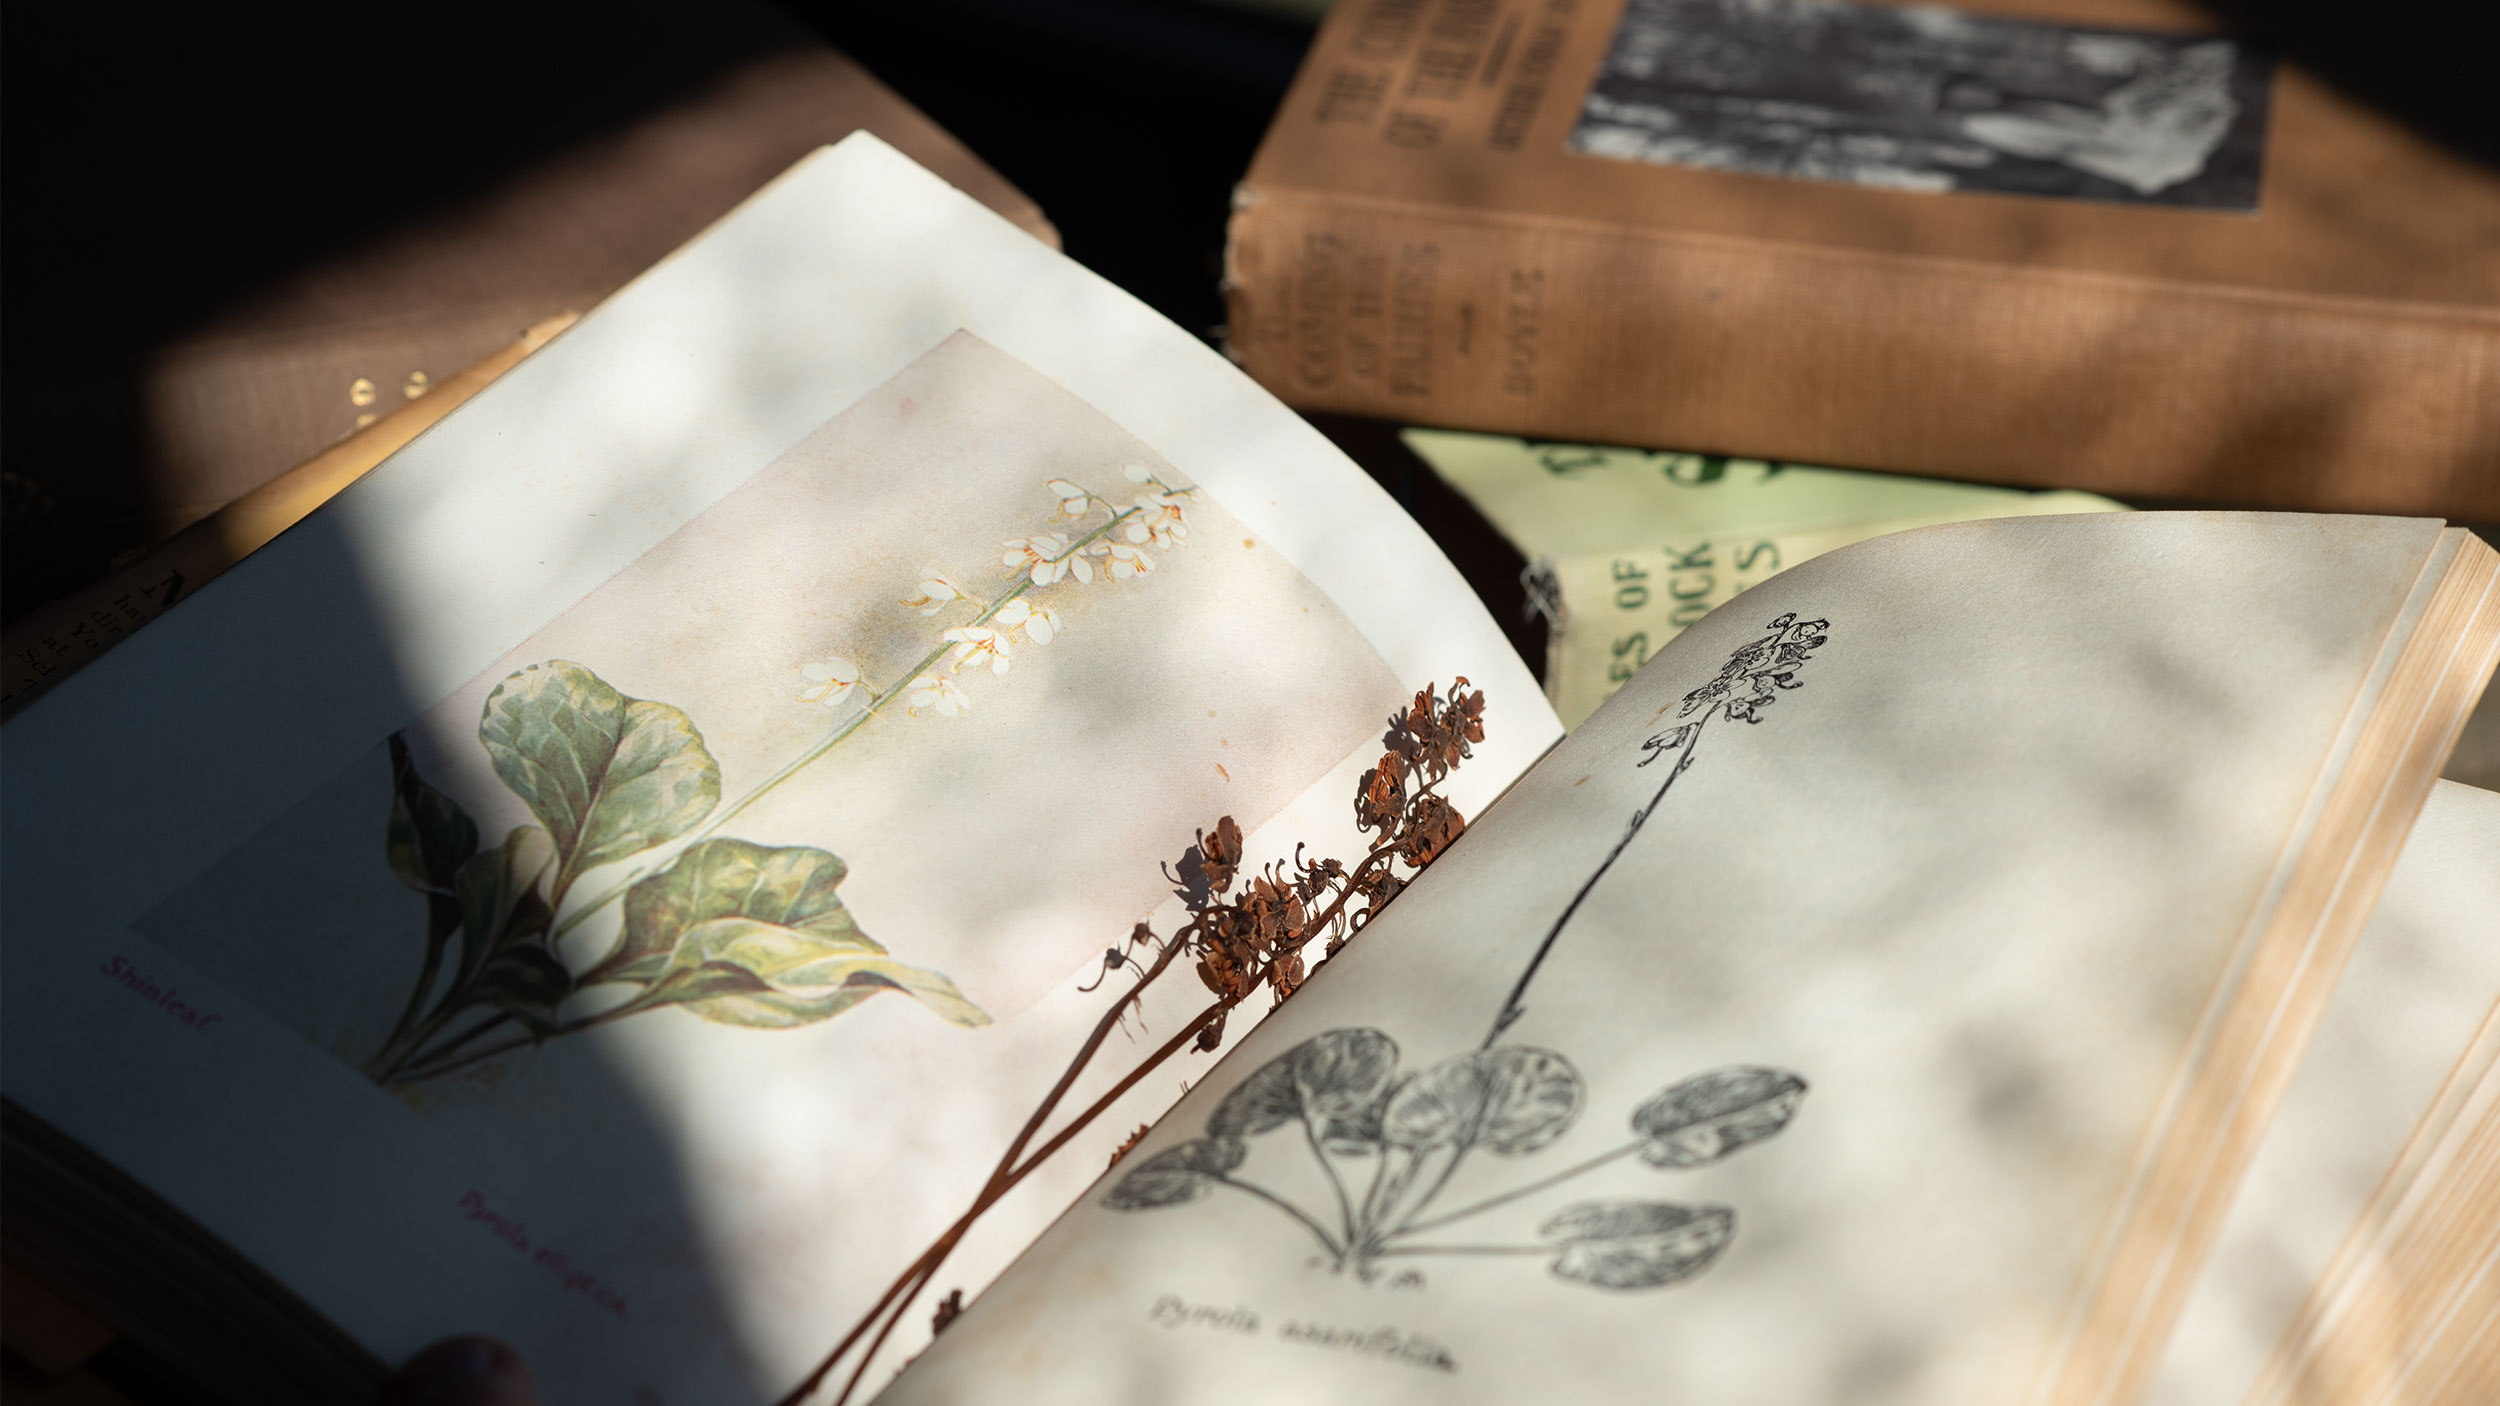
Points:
728	930
1239	938
1387	1142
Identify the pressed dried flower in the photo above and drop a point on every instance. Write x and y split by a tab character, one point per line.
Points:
1380	797
1126	1143
1429	829
1221	853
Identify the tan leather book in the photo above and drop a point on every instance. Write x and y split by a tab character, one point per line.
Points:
310	361
2079	243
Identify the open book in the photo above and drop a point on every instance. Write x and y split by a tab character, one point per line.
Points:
621	875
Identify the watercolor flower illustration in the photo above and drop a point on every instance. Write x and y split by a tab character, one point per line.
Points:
976	643
1039	622
729	931
929	693
830	681
1126	562
1074	500
1047	558
936	593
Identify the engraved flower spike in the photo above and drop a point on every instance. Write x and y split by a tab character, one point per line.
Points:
930	691
830	681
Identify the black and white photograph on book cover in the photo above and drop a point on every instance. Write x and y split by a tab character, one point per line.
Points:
1925	98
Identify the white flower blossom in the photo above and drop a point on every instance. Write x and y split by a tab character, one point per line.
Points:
1039	622
930	691
830	681
977	643
1074	501
1126	562
936	593
1046	557
1138	473
1158	519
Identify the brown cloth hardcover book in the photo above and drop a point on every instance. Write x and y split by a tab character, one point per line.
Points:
2082	243
316	358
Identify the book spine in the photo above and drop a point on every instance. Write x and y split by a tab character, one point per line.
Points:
1580	330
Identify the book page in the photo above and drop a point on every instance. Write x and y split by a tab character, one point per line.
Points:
2425	978
620	875
1795	1031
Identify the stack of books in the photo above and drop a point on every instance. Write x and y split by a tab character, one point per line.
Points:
765	840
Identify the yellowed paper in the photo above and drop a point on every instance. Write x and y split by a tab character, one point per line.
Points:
1790	1034
2425	977
698	618
1608	612
1561	500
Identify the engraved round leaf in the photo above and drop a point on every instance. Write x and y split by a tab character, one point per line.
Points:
1356	1134
791	886
1328	1077
429	836
1711	1115
1637	1244
744	971
608	775
500	901
1511	1100
1175	1175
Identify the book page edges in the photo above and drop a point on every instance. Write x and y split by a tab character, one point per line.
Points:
2409	1309
1558	327
2439	657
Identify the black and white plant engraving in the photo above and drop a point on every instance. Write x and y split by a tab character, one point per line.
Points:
1925	98
1387	1141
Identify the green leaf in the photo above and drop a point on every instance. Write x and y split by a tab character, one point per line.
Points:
1512	1100
747	934
609	776
725	878
1711	1115
429	836
1176	1175
501	904
1637	1244
739	971
525	982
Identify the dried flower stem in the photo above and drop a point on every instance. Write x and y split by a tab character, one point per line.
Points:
1252	939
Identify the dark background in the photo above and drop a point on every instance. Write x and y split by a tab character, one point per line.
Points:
162	163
